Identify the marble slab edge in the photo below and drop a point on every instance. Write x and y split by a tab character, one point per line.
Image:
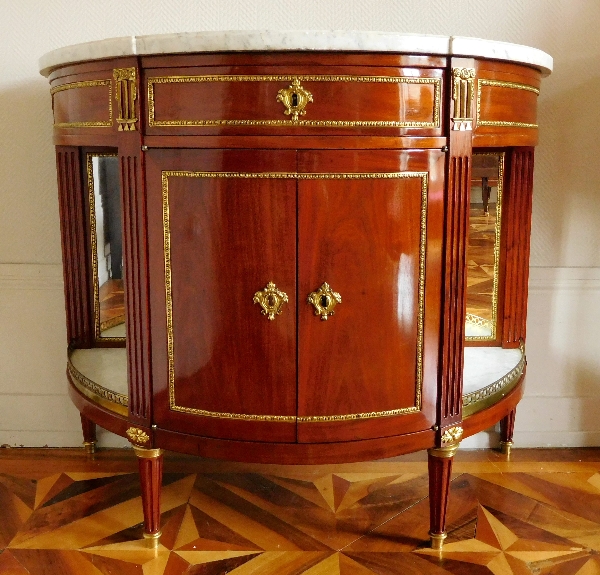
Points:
463	46
343	41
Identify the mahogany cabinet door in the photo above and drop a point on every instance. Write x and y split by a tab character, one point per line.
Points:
370	226
221	227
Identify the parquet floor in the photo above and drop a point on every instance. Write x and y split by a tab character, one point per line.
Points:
112	304
480	261
63	514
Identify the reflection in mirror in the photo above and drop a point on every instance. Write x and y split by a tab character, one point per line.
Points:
104	191
483	250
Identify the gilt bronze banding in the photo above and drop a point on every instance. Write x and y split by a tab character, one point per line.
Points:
144	453
111	400
444	452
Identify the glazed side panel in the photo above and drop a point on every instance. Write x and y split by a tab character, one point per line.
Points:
218	234
369	370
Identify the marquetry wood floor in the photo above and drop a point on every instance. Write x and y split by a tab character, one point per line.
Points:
112	304
61	513
480	261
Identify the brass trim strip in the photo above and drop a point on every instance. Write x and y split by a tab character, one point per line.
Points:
423	176
104	397
503	84
86	84
497	240
479	321
239	416
436	112
444	453
489	395
94	244
112	322
350	416
145	453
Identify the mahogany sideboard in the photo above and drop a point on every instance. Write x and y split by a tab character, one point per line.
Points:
295	247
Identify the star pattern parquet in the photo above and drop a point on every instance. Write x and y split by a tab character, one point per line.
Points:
63	514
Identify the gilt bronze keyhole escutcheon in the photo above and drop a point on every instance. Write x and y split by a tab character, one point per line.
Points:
324	300
270	299
295	98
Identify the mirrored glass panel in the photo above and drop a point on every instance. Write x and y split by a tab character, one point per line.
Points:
104	191
483	250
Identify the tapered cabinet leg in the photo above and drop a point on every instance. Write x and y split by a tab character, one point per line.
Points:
89	434
440	469
507	427
151	465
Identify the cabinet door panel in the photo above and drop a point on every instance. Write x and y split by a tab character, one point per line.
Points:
370	369
222	226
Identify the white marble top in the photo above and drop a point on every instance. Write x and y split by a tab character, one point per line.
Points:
486	365
265	40
106	366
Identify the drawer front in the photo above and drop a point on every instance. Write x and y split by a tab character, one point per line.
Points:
306	101
506	105
83	102
92	102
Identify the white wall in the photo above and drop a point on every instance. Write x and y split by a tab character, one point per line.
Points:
562	403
